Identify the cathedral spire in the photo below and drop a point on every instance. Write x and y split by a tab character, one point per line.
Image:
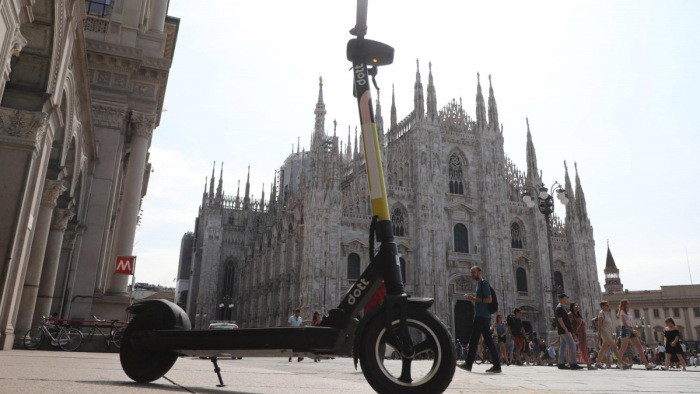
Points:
273	193
493	110
349	152
355	153
432	98
393	109
262	198
320	111
219	190
580	198
246	198
418	102
211	185
570	210
532	172
480	106
378	116
238	194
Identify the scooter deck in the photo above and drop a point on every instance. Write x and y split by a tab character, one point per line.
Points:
242	342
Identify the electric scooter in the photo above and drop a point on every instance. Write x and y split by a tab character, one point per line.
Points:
160	331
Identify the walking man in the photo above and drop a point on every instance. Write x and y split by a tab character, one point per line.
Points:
482	322
566	340
605	330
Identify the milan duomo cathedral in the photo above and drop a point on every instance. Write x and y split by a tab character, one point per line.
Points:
455	202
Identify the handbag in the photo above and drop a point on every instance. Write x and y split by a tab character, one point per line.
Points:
635	333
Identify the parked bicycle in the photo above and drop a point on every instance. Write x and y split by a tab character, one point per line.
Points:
64	336
115	333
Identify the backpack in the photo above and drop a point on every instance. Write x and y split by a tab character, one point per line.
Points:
509	320
493	306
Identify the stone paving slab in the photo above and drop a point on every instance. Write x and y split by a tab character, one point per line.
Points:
23	371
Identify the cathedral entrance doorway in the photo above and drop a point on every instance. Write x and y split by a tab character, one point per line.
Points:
464	316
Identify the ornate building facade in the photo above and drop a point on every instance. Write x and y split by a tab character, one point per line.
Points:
650	308
81	88
455	200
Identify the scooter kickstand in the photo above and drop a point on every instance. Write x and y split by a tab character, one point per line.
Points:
218	372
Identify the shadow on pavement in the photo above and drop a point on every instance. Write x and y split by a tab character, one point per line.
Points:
159	386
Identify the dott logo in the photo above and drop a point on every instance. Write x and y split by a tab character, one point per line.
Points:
360	74
357	292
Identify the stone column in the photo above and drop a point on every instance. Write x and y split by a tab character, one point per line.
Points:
156	15
48	273
141	126
52	189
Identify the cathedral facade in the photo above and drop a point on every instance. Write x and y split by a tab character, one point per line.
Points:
455	202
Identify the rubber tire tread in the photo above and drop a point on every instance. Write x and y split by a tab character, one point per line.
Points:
373	372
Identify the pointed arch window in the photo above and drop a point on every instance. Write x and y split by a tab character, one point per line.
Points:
558	281
353	266
455	175
516	236
229	276
403	269
461	237
521	280
398	221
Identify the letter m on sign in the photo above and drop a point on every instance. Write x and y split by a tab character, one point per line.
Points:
125	265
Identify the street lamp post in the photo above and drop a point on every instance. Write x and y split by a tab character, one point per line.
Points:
545	204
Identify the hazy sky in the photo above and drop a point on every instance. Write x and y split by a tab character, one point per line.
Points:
613	86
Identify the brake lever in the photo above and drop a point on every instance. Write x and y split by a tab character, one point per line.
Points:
373	73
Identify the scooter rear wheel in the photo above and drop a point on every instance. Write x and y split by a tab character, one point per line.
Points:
143	365
429	370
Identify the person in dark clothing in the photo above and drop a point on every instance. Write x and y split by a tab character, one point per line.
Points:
566	339
482	320
518	333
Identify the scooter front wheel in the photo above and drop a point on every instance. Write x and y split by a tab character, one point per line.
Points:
428	370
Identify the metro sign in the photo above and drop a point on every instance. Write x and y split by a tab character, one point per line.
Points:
125	265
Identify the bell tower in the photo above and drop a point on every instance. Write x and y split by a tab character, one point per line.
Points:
612	275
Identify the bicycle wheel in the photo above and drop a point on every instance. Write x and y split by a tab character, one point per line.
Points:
117	337
432	345
70	339
33	338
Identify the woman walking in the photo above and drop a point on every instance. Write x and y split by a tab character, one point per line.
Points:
629	334
578	326
673	346
499	328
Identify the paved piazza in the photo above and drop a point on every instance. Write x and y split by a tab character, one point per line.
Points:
23	371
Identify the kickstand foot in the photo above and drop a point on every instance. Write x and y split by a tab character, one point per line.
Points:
218	372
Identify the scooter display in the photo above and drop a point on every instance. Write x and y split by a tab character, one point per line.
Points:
160	331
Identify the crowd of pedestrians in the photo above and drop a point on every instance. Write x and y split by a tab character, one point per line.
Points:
507	341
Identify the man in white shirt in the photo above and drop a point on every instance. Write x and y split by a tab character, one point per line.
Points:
662	351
